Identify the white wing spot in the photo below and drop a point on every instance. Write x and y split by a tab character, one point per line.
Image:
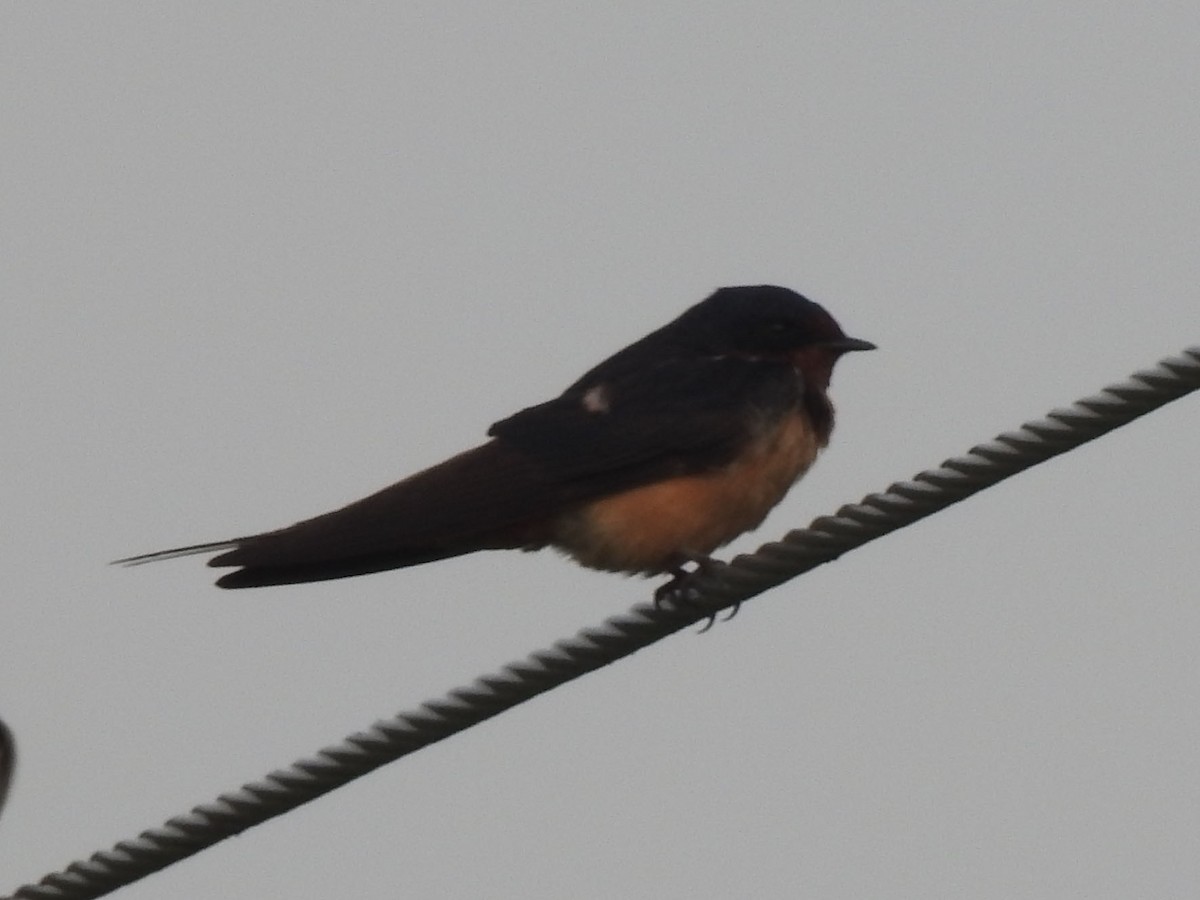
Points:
596	400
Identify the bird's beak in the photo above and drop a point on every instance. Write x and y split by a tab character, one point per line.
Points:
846	344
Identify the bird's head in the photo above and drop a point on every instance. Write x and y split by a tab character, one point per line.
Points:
767	322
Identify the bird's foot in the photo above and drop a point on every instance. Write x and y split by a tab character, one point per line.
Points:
680	593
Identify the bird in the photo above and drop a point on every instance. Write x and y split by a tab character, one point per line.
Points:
649	462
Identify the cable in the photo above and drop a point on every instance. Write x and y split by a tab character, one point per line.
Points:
984	465
708	592
8	761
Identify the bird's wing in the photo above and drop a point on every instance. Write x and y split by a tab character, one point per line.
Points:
599	438
679	418
479	499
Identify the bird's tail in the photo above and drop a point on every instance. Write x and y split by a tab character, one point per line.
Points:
492	497
193	550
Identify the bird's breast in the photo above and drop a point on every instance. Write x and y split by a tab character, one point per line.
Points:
654	527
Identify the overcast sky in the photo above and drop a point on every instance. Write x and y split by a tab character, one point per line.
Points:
261	259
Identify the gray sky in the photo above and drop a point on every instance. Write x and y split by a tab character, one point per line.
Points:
261	259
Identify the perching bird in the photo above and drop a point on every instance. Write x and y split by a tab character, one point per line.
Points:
662	453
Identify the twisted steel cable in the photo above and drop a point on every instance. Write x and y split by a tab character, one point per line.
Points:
707	592
984	465
8	761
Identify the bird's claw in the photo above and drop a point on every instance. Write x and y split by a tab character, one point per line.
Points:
680	593
676	591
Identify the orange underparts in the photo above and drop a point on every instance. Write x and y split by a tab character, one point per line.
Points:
655	527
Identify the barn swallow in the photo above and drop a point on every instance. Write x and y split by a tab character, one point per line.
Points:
653	459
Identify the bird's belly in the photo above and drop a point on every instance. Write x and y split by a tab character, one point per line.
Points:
655	527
